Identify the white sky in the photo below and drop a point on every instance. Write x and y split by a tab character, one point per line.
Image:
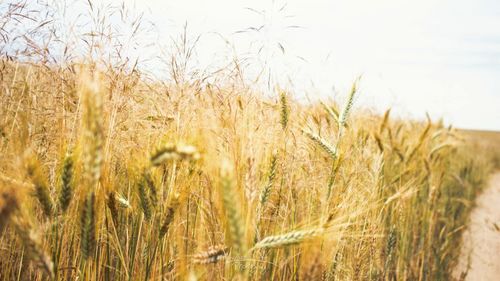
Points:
436	56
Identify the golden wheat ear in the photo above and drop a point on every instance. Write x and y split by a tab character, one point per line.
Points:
331	111
349	103
287	239
212	255
328	148
169	215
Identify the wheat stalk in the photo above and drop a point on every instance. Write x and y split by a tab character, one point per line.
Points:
230	202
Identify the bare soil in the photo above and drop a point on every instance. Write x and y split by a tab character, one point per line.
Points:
480	254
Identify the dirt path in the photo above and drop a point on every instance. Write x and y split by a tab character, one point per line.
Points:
480	256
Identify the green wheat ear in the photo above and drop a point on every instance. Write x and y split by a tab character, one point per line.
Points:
66	192
88	227
41	186
169	215
285	110
144	198
349	103
266	191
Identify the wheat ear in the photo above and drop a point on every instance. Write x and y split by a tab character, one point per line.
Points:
41	191
112	205
331	111
266	191
66	192
332	151
212	255
285	111
287	239
87	226
171	151
348	105
144	198
169	215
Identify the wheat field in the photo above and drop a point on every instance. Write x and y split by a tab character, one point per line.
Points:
107	175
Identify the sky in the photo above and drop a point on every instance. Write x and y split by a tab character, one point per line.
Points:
436	56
